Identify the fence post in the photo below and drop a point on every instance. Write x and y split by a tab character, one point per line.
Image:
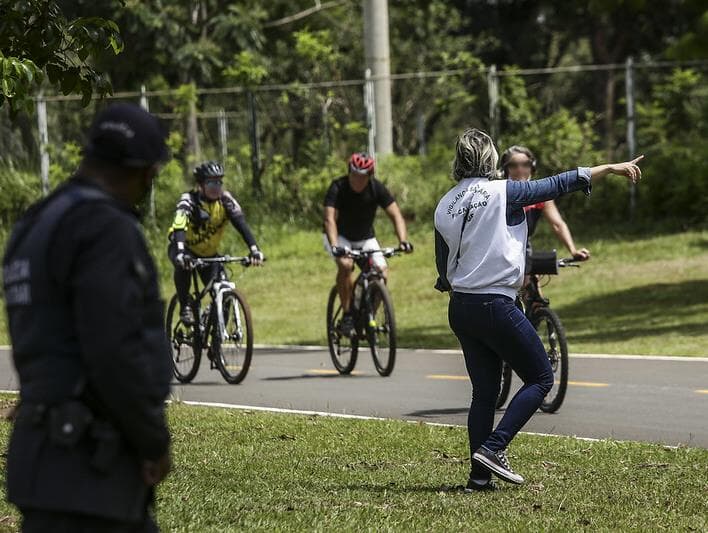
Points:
146	106
420	129
255	145
493	90
43	143
144	99
631	133
370	106
223	135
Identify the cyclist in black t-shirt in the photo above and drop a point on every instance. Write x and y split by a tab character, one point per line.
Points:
349	211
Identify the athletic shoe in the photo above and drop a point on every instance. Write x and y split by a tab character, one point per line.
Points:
497	463
186	316
347	325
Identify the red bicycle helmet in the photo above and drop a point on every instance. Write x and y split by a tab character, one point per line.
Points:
362	163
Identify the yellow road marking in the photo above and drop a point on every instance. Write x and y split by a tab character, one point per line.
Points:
574	383
330	372
588	384
702	391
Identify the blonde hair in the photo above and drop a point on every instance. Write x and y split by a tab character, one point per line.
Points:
475	156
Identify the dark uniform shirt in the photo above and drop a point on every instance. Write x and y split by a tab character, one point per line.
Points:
356	210
108	352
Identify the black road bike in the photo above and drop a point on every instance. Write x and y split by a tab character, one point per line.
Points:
374	319
549	328
222	326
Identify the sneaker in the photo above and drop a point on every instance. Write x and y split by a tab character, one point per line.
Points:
186	316
497	463
346	326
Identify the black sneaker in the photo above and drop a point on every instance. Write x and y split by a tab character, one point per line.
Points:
186	316
497	463
346	326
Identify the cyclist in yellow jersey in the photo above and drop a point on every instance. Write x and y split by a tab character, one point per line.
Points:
200	220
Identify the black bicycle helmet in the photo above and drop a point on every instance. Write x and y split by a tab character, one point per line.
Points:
208	169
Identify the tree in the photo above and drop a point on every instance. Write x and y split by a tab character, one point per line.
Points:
36	39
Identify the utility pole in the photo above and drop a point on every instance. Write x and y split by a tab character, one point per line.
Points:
493	90
631	138
376	49
43	142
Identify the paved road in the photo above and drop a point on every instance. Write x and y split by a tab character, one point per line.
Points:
630	399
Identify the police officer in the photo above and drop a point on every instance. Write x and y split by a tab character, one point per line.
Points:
90	440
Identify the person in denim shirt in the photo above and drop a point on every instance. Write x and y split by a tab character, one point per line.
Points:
480	243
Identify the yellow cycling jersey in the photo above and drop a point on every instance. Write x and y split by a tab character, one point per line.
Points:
204	221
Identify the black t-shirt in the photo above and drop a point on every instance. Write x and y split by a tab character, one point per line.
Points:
355	219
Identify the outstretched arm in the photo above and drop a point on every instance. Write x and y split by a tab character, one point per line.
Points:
521	193
629	169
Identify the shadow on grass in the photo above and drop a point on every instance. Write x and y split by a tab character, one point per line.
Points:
700	243
427	489
648	310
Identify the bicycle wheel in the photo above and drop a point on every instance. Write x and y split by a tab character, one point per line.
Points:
185	351
232	347
552	334
381	327
342	349
505	386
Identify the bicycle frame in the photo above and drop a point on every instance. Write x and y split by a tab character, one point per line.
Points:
532	292
216	286
368	271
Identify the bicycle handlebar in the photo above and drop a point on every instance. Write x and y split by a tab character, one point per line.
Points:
387	252
201	261
569	262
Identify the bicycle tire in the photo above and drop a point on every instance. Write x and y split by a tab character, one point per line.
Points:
342	349
505	385
181	337
231	354
382	334
552	334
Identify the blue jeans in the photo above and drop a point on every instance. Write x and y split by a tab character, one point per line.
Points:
491	329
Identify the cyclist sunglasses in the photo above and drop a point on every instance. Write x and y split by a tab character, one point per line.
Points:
214	183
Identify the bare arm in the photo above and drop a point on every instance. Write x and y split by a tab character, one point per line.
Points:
399	224
560	228
330	225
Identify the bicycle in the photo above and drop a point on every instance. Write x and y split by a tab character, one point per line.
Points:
374	319
549	328
223	326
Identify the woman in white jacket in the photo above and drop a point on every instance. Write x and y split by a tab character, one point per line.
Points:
480	243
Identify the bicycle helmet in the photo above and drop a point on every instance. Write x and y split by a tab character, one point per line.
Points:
362	163
208	169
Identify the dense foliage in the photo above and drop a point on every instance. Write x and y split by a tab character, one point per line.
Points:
305	131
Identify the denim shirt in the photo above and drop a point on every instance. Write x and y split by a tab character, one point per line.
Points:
518	195
523	193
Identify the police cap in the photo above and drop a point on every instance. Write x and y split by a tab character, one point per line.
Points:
127	135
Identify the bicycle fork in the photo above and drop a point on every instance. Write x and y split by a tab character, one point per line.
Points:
220	288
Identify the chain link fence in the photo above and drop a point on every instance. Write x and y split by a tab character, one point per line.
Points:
272	137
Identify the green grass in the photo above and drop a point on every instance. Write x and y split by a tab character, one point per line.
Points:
240	470
640	294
